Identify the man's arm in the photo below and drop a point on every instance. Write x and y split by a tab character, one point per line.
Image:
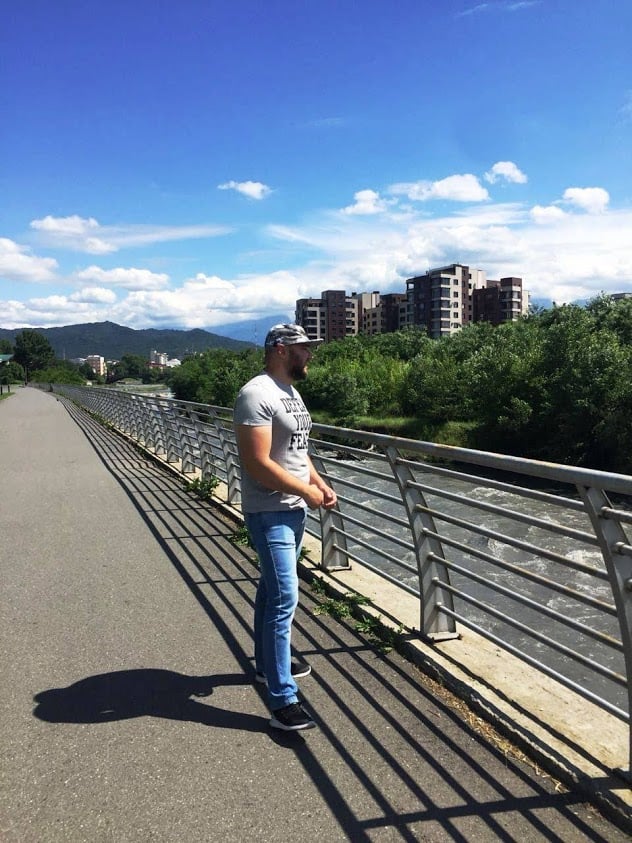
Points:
254	444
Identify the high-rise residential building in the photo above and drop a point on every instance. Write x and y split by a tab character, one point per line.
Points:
500	301
389	314
441	300
310	313
335	314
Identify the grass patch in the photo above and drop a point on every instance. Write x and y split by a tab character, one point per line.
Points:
241	537
202	487
380	636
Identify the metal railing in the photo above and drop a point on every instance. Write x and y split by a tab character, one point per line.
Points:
533	556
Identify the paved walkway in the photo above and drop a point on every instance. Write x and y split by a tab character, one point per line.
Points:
127	703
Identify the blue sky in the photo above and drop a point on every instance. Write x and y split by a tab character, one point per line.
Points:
194	163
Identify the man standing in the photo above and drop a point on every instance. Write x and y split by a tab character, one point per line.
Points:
278	483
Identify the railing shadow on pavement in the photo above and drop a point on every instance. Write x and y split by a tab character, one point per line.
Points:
405	720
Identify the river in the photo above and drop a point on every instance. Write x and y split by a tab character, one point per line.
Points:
581	584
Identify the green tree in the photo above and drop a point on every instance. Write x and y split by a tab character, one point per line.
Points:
32	351
58	374
130	366
5	346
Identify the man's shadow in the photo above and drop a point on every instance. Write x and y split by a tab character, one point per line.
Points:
145	692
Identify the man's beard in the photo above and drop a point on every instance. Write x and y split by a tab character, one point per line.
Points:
298	372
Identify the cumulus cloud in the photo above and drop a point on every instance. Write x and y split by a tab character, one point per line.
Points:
93	295
18	264
459	188
549	214
591	199
129	279
366	202
251	189
73	229
569	248
506	170
88	235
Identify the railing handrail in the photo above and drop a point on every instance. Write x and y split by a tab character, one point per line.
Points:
200	439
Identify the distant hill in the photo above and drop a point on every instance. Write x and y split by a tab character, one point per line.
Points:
112	341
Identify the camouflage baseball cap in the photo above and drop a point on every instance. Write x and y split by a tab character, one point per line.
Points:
288	335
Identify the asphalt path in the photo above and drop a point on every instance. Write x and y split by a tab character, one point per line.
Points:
128	707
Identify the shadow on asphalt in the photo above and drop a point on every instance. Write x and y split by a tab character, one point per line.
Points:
406	754
124	694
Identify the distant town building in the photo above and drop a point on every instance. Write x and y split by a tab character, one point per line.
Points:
157	358
442	301
97	364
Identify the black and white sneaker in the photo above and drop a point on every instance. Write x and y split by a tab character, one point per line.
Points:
291	718
299	669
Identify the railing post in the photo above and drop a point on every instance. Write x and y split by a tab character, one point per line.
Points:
231	465
617	556
333	540
429	553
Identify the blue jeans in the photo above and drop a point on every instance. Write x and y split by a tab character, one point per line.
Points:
277	538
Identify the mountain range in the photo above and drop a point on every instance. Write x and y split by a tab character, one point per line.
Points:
112	341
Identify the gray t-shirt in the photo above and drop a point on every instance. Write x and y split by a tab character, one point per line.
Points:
266	402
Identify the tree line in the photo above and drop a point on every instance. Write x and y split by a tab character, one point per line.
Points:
555	385
34	360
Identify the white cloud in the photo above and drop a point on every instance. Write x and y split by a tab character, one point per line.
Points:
129	279
366	202
208	299
498	6
66	226
506	170
93	295
88	235
251	189
459	188
474	10
549	214
560	250
17	264
591	199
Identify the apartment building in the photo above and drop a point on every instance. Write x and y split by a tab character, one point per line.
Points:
157	359
500	301
335	314
442	301
97	364
389	314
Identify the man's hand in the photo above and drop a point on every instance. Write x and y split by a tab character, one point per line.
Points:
330	498
313	497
